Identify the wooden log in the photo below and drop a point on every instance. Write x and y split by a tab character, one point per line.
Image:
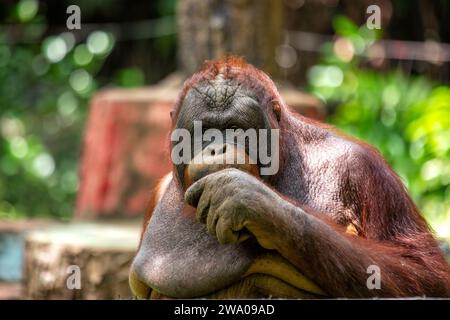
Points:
102	253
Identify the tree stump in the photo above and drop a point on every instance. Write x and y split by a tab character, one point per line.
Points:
102	253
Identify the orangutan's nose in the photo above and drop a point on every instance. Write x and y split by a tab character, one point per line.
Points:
216	149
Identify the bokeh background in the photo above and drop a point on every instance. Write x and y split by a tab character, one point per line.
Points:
389	87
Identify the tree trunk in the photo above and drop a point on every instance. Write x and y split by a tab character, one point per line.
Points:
212	29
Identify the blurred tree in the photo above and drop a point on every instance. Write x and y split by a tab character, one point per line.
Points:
252	29
44	86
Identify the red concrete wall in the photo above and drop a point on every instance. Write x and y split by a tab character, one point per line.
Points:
125	151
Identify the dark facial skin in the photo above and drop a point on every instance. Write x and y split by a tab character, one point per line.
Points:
312	230
220	104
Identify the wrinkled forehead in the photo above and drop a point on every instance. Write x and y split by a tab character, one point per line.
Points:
221	102
218	87
219	93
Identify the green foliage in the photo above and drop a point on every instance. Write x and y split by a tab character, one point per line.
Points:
406	117
45	84
130	77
